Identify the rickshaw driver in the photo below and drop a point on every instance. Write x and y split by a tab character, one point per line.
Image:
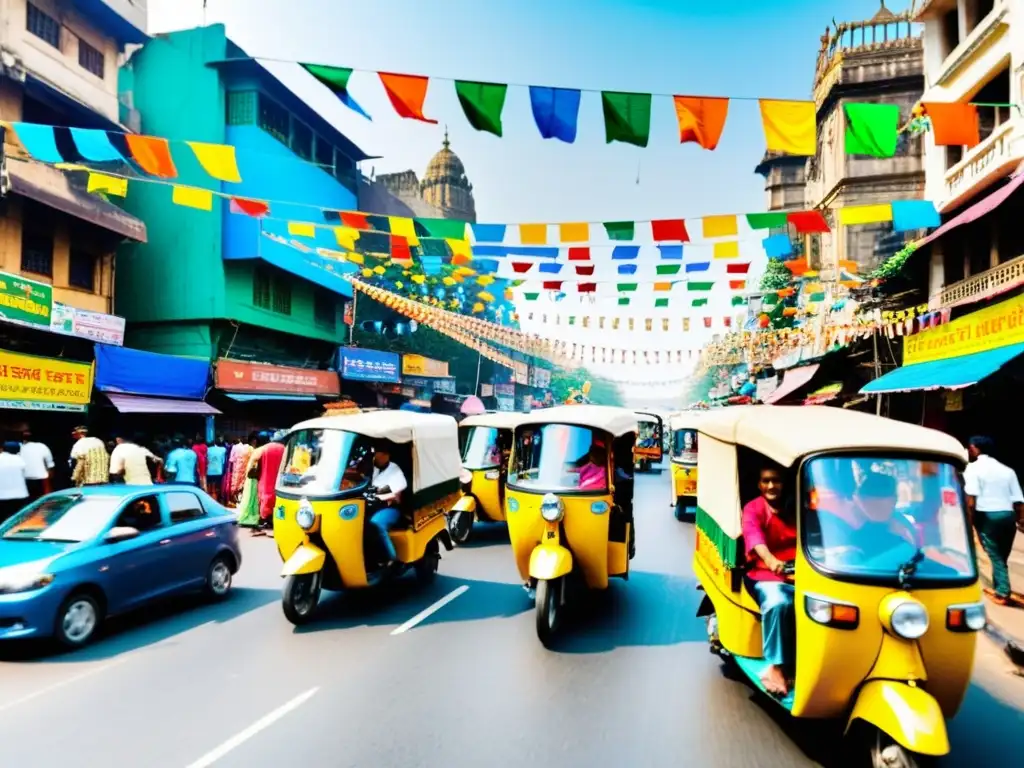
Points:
387	475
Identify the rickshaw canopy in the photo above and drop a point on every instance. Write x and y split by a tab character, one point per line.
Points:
605	418
495	420
651	417
685	420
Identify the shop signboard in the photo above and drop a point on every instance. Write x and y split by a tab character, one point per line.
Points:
43	383
505	390
444	385
486	390
369	365
236	376
521	373
25	302
96	326
417	365
540	377
991	328
506	403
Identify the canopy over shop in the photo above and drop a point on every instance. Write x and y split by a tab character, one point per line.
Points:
259	396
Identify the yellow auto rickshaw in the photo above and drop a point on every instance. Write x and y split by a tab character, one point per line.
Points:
486	441
648	449
683	456
569	503
887	604
327	495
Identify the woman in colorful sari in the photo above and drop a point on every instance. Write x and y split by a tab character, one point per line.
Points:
240	454
245	480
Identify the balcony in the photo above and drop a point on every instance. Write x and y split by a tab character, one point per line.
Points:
987	43
986	163
989	283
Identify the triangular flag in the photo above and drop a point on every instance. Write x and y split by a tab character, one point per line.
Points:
555	111
872	129
100	182
701	120
255	208
192	197
336	81
482	104
407	94
218	160
789	126
953	125
627	117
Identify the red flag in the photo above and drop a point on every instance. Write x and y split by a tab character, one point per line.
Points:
585	270
586	287
407	93
552	285
737	285
808	222
740	268
707	322
355	220
520	267
670	229
953	124
400	249
254	208
579	254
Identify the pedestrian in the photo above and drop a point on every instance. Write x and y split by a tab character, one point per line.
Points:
994	504
249	504
270	466
130	461
216	458
181	462
92	462
13	488
200	450
38	465
240	454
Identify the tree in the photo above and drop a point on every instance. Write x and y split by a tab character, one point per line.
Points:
565	381
776	276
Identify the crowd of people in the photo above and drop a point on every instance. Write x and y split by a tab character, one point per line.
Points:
238	471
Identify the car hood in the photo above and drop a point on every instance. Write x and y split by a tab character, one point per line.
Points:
21	552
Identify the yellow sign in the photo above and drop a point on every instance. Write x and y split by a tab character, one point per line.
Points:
987	329
43	383
417	365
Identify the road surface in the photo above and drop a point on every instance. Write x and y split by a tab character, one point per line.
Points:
447	675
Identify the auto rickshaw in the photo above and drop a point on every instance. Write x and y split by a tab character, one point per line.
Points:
648	449
325	501
683	457
569	503
885	582
486	441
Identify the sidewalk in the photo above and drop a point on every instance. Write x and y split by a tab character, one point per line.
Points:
1006	623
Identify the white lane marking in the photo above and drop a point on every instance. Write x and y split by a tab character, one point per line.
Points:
243	736
60	684
430	610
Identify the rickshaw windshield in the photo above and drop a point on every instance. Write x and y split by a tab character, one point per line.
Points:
648	434
874	518
560	457
684	445
325	461
481	449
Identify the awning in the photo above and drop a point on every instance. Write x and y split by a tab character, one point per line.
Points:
986	205
250	397
135	404
951	373
793	379
137	372
825	394
47	185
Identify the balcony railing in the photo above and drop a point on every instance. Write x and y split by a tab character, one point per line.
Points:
994	157
985	285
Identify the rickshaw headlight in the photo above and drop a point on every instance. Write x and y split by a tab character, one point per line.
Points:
305	516
466	477
966	618
551	508
909	620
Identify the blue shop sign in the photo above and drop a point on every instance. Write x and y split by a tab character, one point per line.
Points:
369	365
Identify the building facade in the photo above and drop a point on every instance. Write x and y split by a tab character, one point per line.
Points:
218	284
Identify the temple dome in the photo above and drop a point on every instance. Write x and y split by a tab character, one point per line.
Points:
446	187
445	164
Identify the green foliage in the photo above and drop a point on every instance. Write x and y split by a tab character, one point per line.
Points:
776	276
564	381
892	266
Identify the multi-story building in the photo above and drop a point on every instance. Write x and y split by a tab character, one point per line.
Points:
213	284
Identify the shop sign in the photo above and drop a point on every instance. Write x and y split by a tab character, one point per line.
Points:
417	365
987	329
505	390
235	376
445	385
486	390
369	365
43	383
540	377
506	403
25	301
96	326
521	373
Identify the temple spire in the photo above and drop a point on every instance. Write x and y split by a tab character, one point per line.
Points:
446	144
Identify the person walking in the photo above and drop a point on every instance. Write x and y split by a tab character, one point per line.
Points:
181	463
130	461
216	458
249	503
200	450
38	465
92	462
240	455
994	504
13	488
270	465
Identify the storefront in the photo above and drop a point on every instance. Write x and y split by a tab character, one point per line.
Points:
505	396
258	396
428	377
372	378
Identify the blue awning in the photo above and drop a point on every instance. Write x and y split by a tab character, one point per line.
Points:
250	398
135	372
952	373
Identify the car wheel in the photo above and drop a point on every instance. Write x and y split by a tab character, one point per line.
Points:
218	578
77	620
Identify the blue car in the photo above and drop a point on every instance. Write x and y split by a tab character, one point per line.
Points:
76	557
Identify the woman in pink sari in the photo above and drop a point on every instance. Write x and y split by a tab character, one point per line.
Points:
594	474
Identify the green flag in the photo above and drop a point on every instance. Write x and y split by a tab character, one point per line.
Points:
482	104
627	117
619	230
872	129
531	296
627	286
739	301
699	286
669	269
766	220
572	319
444	228
661	303
624	301
336	79
700	302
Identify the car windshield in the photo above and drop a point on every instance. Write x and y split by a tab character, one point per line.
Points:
886	518
684	444
325	461
559	457
71	518
481	449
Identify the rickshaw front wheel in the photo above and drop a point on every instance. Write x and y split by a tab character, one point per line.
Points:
300	597
884	752
549	610
460	526
426	568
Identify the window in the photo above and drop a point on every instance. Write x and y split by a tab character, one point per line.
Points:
241	108
43	26
302	140
90	59
273	118
82	270
261	288
324	155
184	507
325	310
271	291
37	252
142	515
282	297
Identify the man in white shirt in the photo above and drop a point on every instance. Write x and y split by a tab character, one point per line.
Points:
38	466
994	502
389	480
13	490
130	461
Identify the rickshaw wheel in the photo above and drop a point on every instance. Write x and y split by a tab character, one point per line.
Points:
300	597
548	610
884	752
460	526
426	568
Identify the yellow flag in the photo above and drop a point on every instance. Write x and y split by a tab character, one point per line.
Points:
574	233
719	226
404	227
346	237
218	160
730	249
459	248
485	280
355	258
789	126
533	234
865	214
301	229
100	182
192	197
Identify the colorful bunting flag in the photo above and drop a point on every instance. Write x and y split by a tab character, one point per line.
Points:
406	94
669	229
852	215
623	302
701	119
699	303
355	220
555	111
482	103
698	266
777	246
574	233
719	226
488	233
627	269
627	117
585	269
808	222
549	267
255	208
626	287
738	268
94	145
737	285
625	252
739	301
908	215
449	229
954	125
699	286
461	251
660	303
400	250
152	154
346	237
336	81
671	252
579	254
111	185
668	269
404	227
730	249
789	126
218	160
620	230
533	234
192	197
872	129
39	141
766	220
301	229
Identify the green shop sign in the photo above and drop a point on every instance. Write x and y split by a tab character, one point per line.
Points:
25	301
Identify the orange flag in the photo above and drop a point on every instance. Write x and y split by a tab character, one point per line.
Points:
701	119
407	93
953	124
153	154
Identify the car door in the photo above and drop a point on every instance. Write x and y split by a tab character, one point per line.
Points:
133	569
193	536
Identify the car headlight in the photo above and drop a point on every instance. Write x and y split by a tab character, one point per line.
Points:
551	508
305	516
23	579
909	620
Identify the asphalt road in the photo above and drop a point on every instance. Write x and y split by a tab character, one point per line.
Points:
375	682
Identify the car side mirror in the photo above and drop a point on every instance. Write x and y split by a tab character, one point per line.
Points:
121	533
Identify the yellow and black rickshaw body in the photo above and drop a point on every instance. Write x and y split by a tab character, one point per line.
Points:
649	448
683	437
